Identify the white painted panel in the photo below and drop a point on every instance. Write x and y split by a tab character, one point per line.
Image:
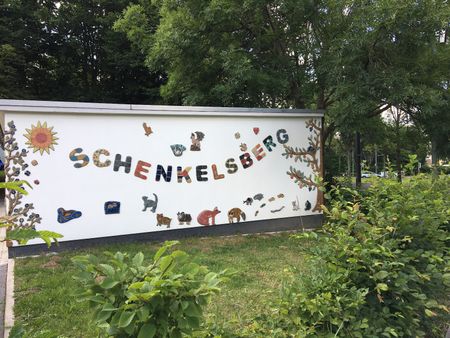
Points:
87	189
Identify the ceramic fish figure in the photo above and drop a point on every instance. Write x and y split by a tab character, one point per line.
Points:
112	207
67	215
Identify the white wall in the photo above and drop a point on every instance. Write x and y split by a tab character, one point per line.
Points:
87	189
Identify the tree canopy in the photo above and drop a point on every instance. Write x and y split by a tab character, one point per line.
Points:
67	50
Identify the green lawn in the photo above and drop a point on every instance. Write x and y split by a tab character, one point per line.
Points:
45	291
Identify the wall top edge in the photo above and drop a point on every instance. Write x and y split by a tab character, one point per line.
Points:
59	107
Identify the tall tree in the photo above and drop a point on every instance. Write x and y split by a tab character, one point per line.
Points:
68	50
354	58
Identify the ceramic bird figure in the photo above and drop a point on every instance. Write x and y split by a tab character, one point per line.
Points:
148	130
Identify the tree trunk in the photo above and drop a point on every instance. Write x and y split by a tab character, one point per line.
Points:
397	149
434	156
349	162
358	159
376	159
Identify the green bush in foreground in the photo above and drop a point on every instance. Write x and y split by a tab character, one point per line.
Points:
379	268
163	299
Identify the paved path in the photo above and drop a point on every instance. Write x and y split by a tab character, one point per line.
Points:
3	280
3	271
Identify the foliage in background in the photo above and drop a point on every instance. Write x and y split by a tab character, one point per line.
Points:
380	266
352	58
163	299
67	51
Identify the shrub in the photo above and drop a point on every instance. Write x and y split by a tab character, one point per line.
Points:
380	266
162	299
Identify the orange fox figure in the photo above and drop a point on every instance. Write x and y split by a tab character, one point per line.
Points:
235	213
204	217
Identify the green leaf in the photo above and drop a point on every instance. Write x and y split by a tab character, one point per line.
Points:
15	186
138	259
125	318
108	283
381	287
430	313
143	313
109	307
147	331
193	310
381	275
107	269
163	249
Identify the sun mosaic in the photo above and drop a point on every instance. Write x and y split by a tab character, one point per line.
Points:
41	138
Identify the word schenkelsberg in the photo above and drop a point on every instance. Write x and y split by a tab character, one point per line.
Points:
142	168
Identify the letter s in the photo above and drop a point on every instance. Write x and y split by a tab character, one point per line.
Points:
232	167
82	157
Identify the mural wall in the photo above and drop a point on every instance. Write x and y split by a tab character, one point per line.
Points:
106	175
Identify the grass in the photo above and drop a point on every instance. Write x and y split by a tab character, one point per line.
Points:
46	304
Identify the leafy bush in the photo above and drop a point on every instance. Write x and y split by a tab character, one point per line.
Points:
21	234
162	299
380	266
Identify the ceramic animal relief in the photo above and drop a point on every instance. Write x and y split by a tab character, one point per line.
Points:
148	203
277	210
237	136
112	207
162	220
147	129
196	138
177	149
41	138
65	216
208	217
307	205
272	199
258	197
248	201
237	214
184	218
295	205
280	195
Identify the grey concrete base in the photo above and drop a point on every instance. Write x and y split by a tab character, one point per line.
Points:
280	224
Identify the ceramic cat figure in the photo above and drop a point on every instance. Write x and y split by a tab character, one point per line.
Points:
208	216
162	220
152	204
